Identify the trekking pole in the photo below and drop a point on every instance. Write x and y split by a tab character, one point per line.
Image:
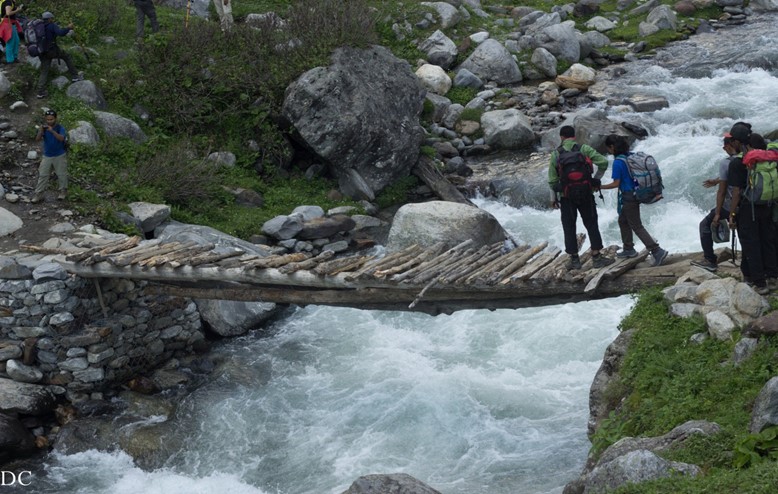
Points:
188	10
734	247
80	43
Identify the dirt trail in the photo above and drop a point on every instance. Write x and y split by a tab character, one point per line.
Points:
19	174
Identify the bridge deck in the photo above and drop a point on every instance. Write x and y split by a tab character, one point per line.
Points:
432	280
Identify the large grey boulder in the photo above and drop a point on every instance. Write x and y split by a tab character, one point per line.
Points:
561	40
493	62
232	318
182	232
88	93
84	133
507	129
427	223
150	215
599	403
764	5
9	222
440	49
361	116
197	7
448	14
5	85
632	468
765	411
393	483
117	126
27	399
12	270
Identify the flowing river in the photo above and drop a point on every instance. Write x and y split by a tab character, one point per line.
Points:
477	402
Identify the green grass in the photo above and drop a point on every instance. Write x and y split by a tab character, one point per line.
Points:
665	381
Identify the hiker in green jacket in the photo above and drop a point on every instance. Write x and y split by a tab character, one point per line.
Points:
573	182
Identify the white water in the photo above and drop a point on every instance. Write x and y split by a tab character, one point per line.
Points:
477	402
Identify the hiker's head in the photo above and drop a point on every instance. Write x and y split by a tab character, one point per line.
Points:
47	16
617	144
756	141
728	144
741	132
567	132
50	116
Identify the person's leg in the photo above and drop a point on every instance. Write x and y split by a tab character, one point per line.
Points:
748	233
706	241
140	20
44	75
767	239
60	164
226	21
569	217
65	57
12	47
152	13
631	210
44	173
626	232
589	218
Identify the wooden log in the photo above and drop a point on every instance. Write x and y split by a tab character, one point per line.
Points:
159	260
470	263
327	267
307	264
277	261
431	176
529	269
37	249
156	250
383	261
516	264
415	260
356	265
497	264
443	267
614	270
463	263
491	254
214	257
411	273
109	248
236	262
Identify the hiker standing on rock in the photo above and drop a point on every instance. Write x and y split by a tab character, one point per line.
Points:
52	51
628	205
753	220
143	9
10	30
224	10
572	192
54	137
713	220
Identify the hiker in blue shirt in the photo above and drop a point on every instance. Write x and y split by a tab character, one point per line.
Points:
54	52
628	205
54	137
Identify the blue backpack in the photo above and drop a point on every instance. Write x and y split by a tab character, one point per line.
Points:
35	35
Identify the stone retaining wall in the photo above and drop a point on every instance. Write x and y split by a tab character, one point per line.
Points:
54	329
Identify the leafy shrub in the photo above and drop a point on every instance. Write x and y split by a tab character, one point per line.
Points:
755	448
462	95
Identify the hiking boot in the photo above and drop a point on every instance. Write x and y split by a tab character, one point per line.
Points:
77	78
42	95
659	255
573	263
627	254
37	198
600	261
761	289
706	265
62	195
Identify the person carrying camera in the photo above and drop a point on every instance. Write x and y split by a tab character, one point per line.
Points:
54	137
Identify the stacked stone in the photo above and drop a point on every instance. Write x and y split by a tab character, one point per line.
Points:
56	330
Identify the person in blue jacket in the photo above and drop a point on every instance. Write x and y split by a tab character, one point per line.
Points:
628	205
54	137
54	52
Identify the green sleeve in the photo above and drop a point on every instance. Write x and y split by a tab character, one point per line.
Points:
553	176
598	159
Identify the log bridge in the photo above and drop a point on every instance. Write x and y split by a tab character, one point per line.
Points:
432	279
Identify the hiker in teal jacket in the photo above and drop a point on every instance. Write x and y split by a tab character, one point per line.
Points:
573	182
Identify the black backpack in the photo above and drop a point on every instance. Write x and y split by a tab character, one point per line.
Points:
35	35
575	174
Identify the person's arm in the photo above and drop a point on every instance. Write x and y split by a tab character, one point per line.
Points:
721	194
58	136
553	180
10	11
600	161
733	207
613	185
711	182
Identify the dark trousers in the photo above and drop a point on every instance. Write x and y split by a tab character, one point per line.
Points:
705	233
756	231
588	210
143	9
53	53
629	221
